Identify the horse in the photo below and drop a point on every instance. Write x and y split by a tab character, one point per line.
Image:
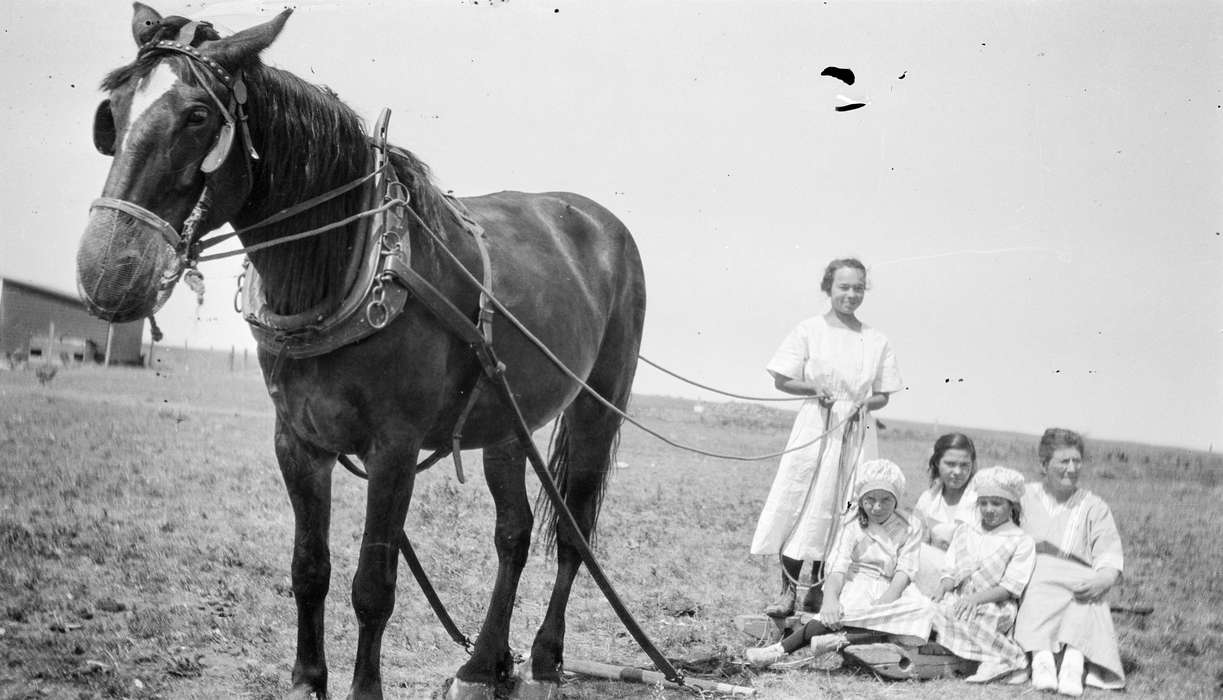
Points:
203	133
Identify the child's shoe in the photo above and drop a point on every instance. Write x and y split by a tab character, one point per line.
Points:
763	657
1017	677
801	658
1070	678
989	672
1044	671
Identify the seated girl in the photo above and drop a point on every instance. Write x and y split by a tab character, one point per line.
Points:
946	505
988	565
1064	613
867	581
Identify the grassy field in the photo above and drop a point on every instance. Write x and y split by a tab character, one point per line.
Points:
145	540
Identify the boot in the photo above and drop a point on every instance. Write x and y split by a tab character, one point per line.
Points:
783	606
763	657
813	599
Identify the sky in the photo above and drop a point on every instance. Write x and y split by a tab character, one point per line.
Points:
1033	185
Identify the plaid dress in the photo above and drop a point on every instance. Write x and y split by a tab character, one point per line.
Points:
976	561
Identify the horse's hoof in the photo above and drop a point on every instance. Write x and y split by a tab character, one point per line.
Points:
462	690
527	688
305	692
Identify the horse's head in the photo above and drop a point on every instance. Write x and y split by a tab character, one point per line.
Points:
173	122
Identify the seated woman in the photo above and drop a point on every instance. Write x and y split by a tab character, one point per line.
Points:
1064	612
947	504
867	585
988	565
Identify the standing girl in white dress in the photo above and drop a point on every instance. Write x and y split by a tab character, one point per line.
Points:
848	370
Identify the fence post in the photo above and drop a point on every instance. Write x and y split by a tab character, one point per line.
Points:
110	341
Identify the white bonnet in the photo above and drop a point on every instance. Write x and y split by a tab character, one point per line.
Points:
999	481
880	474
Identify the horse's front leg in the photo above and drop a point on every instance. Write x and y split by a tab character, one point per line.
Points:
491	662
392	471
307	475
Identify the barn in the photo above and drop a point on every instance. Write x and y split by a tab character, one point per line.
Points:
39	322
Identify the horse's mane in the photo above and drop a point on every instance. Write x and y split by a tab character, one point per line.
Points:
308	142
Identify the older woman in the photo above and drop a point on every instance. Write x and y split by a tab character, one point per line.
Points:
949	503
1064	612
847	369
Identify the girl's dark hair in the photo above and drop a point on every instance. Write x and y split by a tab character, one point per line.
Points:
831	270
1057	438
951	441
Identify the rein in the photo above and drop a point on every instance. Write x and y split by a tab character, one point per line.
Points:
205	243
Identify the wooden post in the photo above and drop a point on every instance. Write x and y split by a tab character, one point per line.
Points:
50	349
232	351
186	363
110	341
244	351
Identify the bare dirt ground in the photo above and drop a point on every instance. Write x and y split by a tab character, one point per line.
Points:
145	541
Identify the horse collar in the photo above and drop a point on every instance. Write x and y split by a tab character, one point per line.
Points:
369	303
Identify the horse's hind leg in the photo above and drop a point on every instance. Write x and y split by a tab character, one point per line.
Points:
504	470
584	451
307	475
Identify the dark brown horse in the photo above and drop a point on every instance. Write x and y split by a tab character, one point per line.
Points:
561	263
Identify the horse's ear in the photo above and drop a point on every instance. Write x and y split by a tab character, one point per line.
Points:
104	129
236	49
145	21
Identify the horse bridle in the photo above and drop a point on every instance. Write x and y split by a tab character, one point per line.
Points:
234	114
188	244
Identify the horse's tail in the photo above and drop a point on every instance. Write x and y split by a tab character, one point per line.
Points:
560	467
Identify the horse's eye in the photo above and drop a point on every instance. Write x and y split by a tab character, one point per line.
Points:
197	116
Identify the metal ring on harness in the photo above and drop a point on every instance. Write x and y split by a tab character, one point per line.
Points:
238	291
376	312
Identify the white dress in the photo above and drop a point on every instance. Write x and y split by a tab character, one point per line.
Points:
941	521
869	558
810	491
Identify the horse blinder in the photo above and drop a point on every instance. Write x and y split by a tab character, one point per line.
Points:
220	148
104	129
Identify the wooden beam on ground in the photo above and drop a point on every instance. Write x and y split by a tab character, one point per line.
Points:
630	674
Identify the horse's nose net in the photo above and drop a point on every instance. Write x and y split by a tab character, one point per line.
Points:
125	268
